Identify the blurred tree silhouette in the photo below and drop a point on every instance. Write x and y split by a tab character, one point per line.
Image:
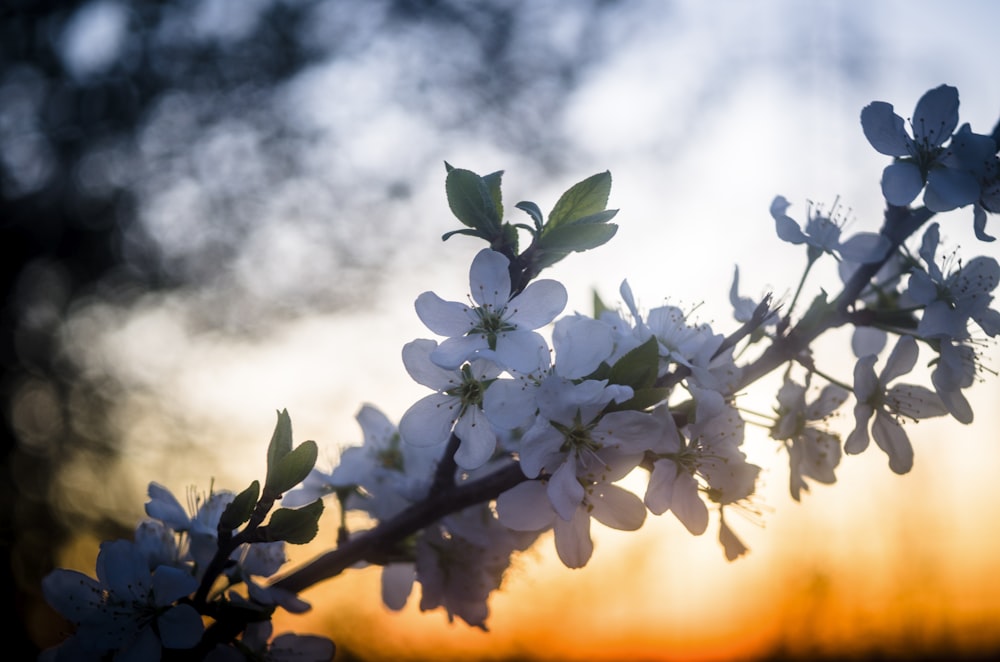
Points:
145	145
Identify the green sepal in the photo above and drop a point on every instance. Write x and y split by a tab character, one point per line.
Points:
241	508
293	468
280	446
582	199
599	306
639	367
472	233
294	525
472	201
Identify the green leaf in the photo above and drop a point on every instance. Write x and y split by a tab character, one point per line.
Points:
560	242
240	509
582	199
493	185
281	443
294	525
471	201
293	468
532	210
638	367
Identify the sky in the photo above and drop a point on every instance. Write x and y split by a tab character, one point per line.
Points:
703	113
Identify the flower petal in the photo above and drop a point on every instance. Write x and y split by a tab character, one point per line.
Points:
428	421
180	627
526	507
901	360
478	439
936	115
445	318
397	582
564	490
573	543
891	438
950	188
617	507
901	183
489	279
538	304
884	129
417	361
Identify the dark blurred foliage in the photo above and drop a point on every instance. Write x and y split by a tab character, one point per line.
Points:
95	129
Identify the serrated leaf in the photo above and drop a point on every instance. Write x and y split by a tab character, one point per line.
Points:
293	468
493	185
557	244
281	443
470	200
294	525
240	509
639	366
582	199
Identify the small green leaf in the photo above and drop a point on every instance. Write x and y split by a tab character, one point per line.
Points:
493	185
582	199
240	509
560	242
472	203
293	468
599	306
281	443
294	525
532	210
639	366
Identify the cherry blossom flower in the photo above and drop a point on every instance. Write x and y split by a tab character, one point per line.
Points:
923	158
812	452
127	609
822	234
256	644
498	326
576	444
888	404
457	404
952	300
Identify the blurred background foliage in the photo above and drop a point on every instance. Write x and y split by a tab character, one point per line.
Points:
156	147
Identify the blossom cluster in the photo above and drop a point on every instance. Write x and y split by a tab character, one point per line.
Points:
535	416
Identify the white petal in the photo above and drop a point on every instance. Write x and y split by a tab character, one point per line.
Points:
901	182
453	352
163	505
170	584
617	507
687	506
573	543
858	440
537	305
733	546
788	230
901	360
397	582
428	421
526	507
949	188
884	129
180	627
417	361
522	351
581	344
510	403
478	439
936	115
489	279
564	490
445	318
891	438
660	488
